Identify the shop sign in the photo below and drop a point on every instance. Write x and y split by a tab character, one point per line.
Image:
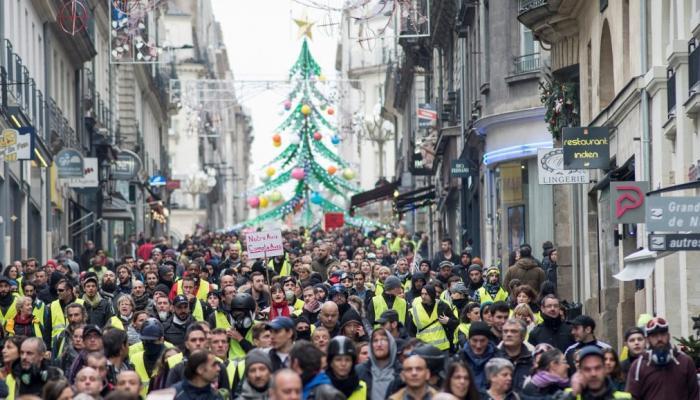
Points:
157	180
70	163
427	115
673	214
550	169
90	178
512	183
674	242
17	144
127	166
459	169
627	202
264	244
333	221
586	148
173	184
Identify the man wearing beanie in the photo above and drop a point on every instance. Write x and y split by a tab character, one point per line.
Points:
475	279
388	300
258	370
478	351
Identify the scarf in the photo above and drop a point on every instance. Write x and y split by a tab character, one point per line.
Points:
141	302
345	385
492	289
280	309
543	379
94	301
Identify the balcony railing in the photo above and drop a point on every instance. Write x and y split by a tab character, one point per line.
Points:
526	63
22	88
693	64
527	5
671	91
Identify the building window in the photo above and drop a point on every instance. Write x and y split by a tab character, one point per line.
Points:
529	58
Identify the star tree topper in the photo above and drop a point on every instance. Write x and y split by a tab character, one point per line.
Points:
304	26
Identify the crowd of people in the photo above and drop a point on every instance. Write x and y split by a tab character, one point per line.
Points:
349	314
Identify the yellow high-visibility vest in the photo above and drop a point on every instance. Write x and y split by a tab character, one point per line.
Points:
616	394
11	386
10	327
464	328
138	347
485	297
39	311
11	312
202	292
360	393
58	317
140	369
429	329
235	350
286	269
380	306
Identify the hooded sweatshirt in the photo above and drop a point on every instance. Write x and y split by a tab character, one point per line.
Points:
478	363
378	378
414	292
527	271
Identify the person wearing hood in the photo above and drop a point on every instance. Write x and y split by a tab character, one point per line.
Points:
478	350
306	360
417	282
526	269
432	320
340	359
43	290
258	372
553	330
462	267
491	291
388	300
339	295
99	309
382	367
351	325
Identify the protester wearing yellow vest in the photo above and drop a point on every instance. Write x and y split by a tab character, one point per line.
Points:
24	323
388	300
8	308
56	322
431	321
219	344
492	291
341	357
145	362
280	265
201	290
241	319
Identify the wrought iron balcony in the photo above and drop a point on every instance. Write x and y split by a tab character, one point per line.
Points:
527	5
526	63
693	64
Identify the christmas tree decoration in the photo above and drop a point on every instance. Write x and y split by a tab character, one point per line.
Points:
253	201
276	144
276	137
298	173
335	139
322	78
348	174
305	170
264	178
269	171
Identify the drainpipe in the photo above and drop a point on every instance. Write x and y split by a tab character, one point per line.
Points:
645	164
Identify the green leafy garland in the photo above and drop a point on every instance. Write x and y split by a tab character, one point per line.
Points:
561	103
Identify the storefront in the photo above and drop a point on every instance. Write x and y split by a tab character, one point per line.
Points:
516	208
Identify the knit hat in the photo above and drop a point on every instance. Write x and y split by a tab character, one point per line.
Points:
446	264
161	288
475	267
493	270
631	331
479	328
459	288
350	316
257	356
392	282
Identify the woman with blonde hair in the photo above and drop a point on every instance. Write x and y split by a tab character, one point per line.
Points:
24	323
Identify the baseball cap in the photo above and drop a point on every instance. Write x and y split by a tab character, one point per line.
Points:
588	351
180	299
91	329
388	316
281	323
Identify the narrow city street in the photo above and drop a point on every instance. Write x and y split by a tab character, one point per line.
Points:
349	199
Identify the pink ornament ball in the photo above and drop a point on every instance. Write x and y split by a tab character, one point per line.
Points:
318	136
287	105
298	173
254	201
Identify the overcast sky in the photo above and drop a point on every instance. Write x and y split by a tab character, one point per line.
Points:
261	40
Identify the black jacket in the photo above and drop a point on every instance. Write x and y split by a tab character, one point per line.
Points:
522	363
185	391
533	392
99	314
554	332
175	333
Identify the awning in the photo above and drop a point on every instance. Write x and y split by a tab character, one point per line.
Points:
382	192
414	199
639	265
116	209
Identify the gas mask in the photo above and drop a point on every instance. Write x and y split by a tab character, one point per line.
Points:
242	320
289	295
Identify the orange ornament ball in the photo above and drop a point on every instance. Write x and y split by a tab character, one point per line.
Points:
332	170
330	111
276	137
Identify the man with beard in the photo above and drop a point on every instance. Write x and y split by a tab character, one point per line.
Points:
662	371
491	291
305	360
553	330
32	372
163	308
77	316
388	300
125	285
445	254
43	292
478	350
324	261
99	310
475	280
56	319
175	327
8	310
200	287
145	362
359	289
108	289
329	317
257	290
340	359
590	381
431	320
258	372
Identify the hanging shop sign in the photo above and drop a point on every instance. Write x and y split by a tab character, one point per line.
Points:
173	184
264	244
586	148
550	169
674	242
157	180
126	167
333	220
627	202
17	144
673	214
459	169
70	163
89	179
427	115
